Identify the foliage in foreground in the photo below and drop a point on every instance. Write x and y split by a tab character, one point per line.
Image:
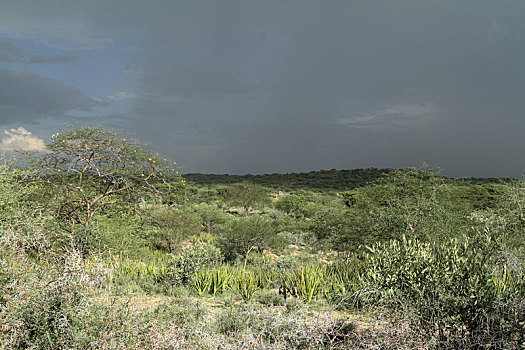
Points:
444	267
452	290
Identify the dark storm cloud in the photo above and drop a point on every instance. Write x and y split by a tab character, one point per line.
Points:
26	97
344	84
11	53
262	86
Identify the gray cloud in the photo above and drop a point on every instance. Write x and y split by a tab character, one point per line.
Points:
406	116
27	97
64	25
266	87
32	59
12	53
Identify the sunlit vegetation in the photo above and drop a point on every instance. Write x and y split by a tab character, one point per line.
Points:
104	246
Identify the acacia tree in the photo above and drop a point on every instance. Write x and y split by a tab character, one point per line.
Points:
171	225
86	169
247	195
239	237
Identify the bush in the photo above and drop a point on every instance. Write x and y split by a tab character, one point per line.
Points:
10	195
43	310
247	195
232	322
210	216
85	240
448	288
168	226
239	237
181	268
269	298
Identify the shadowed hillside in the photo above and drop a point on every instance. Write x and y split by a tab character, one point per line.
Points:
339	180
322	180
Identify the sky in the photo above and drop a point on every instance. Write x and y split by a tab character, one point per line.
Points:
274	86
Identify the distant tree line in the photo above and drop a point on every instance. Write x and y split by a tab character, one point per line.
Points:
322	180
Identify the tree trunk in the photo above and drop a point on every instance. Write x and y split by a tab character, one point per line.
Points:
246	257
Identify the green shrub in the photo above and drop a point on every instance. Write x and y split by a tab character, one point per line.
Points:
10	194
184	311
298	238
247	195
85	240
447	287
294	205
294	305
5	278
231	322
210	216
121	232
42	320
182	267
168	226
43	310
269	298
286	262
239	237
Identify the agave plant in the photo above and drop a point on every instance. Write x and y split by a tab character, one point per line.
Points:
305	281
202	281
246	283
221	278
507	281
341	283
265	277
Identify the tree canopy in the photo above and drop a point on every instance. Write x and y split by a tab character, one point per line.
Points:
90	167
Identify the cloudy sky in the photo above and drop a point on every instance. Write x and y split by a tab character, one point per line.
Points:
274	86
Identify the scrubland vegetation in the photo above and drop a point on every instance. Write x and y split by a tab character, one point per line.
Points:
104	246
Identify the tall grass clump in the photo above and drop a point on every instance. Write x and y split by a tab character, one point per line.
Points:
215	280
306	280
246	284
146	273
342	283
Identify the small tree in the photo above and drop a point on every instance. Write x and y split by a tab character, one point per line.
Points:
86	169
247	195
171	225
210	216
239	237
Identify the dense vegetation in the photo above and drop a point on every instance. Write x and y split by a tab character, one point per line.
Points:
323	180
104	246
